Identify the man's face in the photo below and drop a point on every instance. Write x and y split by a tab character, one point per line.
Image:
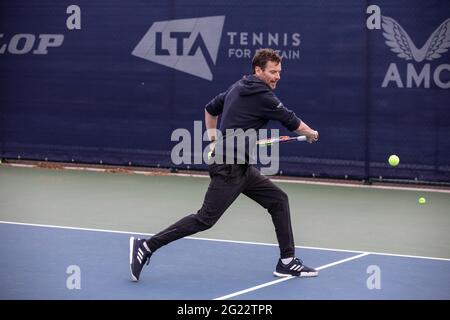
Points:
270	74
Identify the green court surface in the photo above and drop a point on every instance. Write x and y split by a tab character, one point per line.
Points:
325	216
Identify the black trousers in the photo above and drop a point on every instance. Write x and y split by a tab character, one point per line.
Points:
227	183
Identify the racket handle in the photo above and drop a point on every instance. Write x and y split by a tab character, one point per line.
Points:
301	138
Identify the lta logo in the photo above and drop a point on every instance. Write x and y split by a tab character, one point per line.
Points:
188	45
398	40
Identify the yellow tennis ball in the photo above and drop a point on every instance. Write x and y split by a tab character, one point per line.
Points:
422	200
394	160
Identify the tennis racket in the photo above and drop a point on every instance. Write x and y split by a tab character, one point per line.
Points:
280	139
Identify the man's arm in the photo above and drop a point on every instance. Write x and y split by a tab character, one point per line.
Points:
211	127
304	129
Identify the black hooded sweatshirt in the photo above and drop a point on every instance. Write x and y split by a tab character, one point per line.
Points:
249	104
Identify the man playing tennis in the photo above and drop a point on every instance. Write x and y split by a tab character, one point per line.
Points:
248	104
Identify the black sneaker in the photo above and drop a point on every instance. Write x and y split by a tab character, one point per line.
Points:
138	256
294	268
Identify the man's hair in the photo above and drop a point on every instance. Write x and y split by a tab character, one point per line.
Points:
262	56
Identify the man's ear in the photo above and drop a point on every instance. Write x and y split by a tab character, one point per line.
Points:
258	70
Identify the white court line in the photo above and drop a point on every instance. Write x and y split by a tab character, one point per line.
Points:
322	183
238	293
343	260
73	228
223	240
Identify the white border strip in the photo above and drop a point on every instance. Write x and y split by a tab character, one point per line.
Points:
223	240
322	183
19	165
333	184
234	294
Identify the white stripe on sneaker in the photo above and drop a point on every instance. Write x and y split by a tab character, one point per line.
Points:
146	246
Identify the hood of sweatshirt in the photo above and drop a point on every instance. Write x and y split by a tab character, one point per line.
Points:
251	84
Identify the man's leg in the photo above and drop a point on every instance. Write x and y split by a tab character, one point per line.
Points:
220	195
268	195
260	189
224	188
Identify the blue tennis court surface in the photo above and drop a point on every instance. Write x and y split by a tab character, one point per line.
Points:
34	261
